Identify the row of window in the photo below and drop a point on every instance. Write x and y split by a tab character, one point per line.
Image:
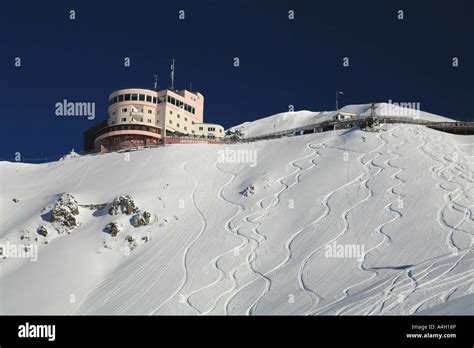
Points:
136	96
151	99
209	129
130	127
124	119
123	110
139	110
181	104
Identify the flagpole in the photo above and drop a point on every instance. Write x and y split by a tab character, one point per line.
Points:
337	102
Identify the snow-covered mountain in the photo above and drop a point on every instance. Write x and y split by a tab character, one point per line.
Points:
340	222
290	120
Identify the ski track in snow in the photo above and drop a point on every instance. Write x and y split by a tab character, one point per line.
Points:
186	251
256	243
215	262
414	281
276	200
408	290
315	298
388	207
437	173
362	179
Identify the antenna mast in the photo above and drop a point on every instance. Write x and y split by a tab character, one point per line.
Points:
172	75
155	84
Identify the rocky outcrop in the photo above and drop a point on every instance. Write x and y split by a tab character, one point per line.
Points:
64	213
249	191
132	243
141	218
122	205
42	231
113	228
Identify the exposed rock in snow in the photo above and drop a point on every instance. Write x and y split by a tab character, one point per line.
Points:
141	218
113	228
403	198
122	205
24	235
63	215
132	243
15	200
42	231
248	191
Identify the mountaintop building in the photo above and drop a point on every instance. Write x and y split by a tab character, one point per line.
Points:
145	117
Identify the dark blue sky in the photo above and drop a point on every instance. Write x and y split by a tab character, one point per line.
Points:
282	62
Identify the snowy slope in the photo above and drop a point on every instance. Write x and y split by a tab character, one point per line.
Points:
405	196
289	120
459	306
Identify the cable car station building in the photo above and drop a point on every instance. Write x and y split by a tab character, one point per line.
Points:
143	117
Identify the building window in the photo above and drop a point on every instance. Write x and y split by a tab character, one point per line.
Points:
141	120
141	97
211	129
148	98
150	111
185	119
177	124
124	110
134	96
127	97
220	130
120	98
192	131
200	128
154	100
113	113
171	112
171	121
192	122
178	116
185	128
149	121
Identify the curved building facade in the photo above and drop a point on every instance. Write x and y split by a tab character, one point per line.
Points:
141	117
